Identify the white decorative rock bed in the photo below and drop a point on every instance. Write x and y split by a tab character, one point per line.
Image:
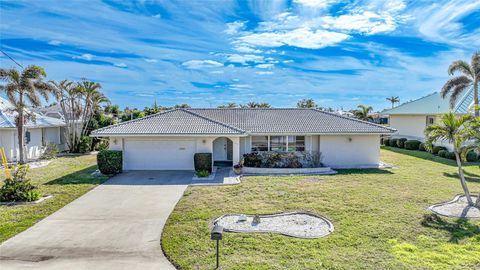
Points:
458	207
286	171
295	224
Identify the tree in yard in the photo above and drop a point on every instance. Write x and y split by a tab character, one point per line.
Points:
456	130
184	106
79	102
23	89
306	103
253	104
229	105
470	77
393	100
363	113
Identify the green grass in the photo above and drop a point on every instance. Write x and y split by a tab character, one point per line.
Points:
380	217
66	178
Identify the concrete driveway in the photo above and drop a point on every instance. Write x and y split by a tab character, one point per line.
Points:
115	226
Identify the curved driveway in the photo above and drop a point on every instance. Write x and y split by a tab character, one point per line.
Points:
115	226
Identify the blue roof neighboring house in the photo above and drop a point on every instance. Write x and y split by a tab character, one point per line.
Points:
7	118
433	104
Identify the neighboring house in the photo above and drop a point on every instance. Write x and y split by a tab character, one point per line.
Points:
168	140
411	118
54	111
37	134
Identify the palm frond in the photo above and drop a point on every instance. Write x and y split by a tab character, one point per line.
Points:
11	91
460	66
456	92
476	63
43	89
33	72
450	84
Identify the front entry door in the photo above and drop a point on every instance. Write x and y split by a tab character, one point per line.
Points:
220	149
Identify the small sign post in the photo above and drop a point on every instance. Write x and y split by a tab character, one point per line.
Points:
217	232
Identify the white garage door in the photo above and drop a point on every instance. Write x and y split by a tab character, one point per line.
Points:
159	155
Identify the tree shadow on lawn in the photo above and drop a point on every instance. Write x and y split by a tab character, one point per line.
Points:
428	156
79	177
469	177
459	229
364	171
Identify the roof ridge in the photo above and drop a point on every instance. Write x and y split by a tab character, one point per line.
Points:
212	120
354	119
410	101
134	120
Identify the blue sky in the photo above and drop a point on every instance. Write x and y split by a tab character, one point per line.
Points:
207	53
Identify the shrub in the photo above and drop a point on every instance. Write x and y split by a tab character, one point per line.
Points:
412	144
18	187
401	142
421	147
442	153
103	145
471	156
252	160
203	161
386	142
50	151
85	144
109	161
202	173
450	155
436	149
393	142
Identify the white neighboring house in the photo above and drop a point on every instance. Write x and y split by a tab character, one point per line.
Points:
168	140
37	134
411	118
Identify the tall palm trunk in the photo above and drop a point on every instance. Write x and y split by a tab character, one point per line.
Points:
21	135
462	178
475	98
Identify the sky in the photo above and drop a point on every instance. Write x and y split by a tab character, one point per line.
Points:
208	53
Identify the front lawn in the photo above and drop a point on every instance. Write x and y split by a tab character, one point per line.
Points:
380	217
66	178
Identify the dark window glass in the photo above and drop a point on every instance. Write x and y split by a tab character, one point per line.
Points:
259	143
278	143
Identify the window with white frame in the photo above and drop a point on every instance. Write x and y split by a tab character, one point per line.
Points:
278	143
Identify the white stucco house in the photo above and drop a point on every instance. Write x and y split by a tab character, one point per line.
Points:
411	118
168	140
37	134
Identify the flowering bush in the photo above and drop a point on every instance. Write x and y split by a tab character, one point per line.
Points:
282	160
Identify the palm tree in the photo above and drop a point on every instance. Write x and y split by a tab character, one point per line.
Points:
363	113
229	105
393	100
457	85
455	130
306	103
22	88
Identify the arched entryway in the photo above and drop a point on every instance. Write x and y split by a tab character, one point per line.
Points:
222	152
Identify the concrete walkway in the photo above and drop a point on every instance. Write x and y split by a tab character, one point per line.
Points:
115	226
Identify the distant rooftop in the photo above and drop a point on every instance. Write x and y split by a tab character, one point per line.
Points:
433	104
7	118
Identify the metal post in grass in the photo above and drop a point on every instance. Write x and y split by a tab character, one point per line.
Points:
216	235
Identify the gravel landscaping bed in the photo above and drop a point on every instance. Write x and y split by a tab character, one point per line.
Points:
458	207
296	224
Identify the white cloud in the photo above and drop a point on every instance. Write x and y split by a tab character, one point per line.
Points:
201	64
264	72
85	56
287	61
55	42
244	59
247	49
120	65
302	38
150	60
367	22
265	66
234	27
314	3
217	72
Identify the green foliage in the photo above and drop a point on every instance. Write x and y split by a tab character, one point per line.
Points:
442	153
422	147
103	145
202	173
412	144
393	142
401	142
50	151
450	155
85	144
386	142
203	161
252	160
471	156
306	103
130	114
18	187
110	161
437	149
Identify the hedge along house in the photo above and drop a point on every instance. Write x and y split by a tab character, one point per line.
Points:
168	140
38	133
